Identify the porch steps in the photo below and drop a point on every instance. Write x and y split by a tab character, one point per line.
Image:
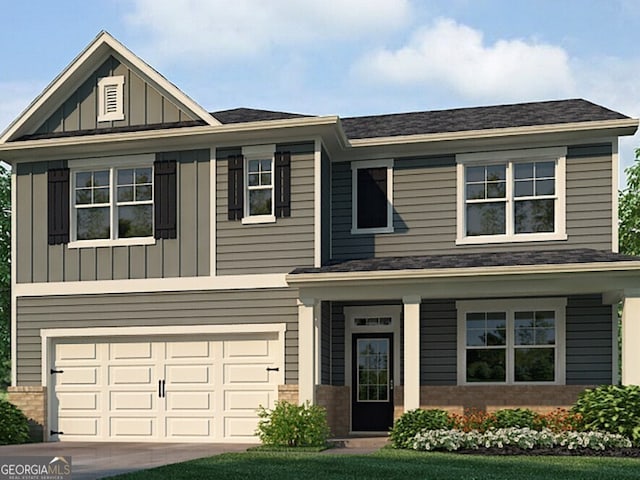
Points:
361	443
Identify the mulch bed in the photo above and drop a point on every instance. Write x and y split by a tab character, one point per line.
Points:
558	451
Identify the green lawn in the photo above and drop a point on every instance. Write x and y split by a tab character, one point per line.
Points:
393	464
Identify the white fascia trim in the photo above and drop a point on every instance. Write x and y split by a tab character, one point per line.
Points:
615	172
615	348
317	203
14	272
631	124
94	48
47	335
225	282
192	133
304	279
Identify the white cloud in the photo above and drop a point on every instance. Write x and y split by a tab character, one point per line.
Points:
455	57
223	29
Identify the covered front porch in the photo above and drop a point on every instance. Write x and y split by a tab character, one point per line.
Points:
382	336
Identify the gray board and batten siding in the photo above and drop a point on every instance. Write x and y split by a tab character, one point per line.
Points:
143	104
186	256
588	331
247	249
424	208
153	309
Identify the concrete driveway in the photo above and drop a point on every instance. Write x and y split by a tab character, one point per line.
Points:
105	459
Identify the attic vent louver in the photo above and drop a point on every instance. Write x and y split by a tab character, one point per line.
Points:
111	99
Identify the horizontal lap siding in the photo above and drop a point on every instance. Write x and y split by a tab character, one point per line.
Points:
185	256
438	343
166	309
273	247
589	341
424	202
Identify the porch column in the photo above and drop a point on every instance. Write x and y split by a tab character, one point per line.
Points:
411	352
631	338
307	355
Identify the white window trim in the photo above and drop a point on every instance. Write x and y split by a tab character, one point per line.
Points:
355	166
558	304
103	83
509	157
258	152
111	164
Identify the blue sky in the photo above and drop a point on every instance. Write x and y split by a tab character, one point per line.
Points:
345	57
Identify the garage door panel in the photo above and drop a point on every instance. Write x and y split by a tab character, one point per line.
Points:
79	426
76	351
180	428
246	348
78	401
188	350
189	401
82	376
131	351
248	401
131	401
131	375
240	428
238	373
188	374
142	428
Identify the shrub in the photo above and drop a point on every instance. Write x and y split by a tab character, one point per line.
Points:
14	426
524	438
512	418
472	420
414	421
291	425
611	408
559	420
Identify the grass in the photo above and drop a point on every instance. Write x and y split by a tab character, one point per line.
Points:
393	464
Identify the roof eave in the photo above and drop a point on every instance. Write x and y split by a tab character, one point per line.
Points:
621	127
324	278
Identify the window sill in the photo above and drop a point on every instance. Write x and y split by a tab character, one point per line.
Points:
259	219
529	237
369	231
507	384
112	243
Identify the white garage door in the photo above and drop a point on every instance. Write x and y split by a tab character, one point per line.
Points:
164	390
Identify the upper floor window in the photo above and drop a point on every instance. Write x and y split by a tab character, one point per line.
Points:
113	203
511	196
372	196
259	185
511	341
111	98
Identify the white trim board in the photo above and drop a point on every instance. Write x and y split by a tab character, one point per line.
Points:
226	282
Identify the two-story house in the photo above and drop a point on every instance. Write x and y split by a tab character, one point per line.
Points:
175	268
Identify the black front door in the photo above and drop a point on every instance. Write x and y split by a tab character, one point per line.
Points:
372	382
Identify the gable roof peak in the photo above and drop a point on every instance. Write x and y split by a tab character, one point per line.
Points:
98	50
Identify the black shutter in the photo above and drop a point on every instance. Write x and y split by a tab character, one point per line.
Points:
165	199
58	205
235	186
283	184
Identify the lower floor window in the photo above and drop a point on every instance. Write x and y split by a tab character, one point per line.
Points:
515	341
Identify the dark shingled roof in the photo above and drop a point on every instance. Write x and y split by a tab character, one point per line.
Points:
241	115
472	260
478	118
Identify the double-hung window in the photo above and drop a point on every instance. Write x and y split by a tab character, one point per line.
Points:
372	196
259	184
511	196
511	341
112	204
